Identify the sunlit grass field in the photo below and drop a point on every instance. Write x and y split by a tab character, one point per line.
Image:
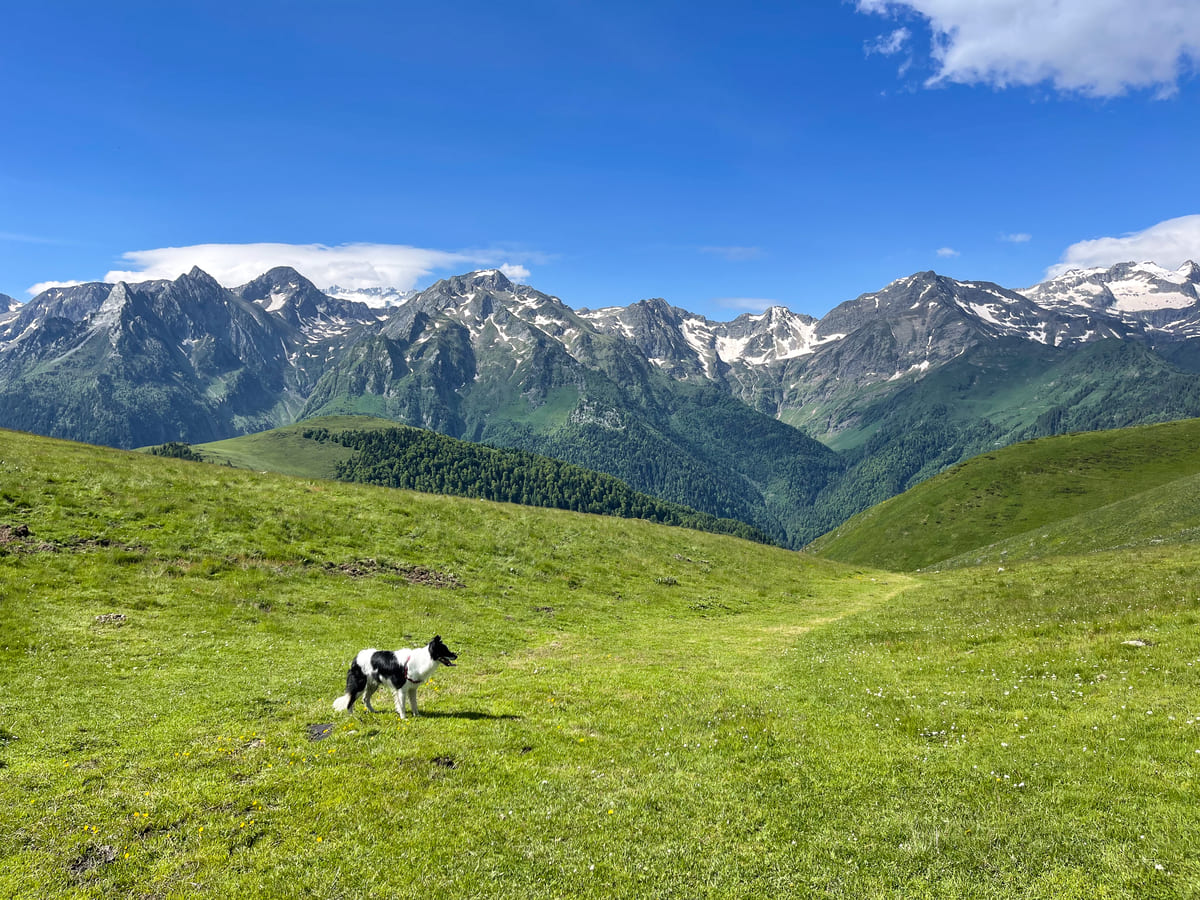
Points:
637	710
1072	493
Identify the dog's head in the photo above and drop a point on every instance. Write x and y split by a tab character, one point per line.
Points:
440	653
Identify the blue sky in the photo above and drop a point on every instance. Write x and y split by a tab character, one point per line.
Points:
722	155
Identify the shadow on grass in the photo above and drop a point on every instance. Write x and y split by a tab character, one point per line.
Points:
470	714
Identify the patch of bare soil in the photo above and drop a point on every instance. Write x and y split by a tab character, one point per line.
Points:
92	859
366	568
12	533
19	539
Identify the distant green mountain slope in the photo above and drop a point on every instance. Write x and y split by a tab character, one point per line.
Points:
381	452
1071	493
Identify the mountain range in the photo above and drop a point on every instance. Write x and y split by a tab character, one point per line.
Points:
784	421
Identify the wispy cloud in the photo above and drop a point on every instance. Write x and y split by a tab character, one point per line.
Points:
352	266
1170	243
34	290
746	304
735	254
1098	48
889	44
17	238
947	252
1019	237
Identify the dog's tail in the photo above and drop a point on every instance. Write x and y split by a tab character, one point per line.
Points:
356	682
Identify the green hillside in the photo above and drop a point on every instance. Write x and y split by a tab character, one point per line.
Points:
386	453
638	711
286	450
1068	494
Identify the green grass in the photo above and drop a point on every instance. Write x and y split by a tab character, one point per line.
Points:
1096	490
638	710
287	451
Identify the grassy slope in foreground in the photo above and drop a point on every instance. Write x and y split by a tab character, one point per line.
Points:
1007	499
638	710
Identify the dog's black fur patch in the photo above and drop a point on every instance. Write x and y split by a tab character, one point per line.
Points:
388	668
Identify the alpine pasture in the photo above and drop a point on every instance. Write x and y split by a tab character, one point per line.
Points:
637	710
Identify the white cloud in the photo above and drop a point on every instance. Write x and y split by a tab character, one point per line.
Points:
1019	237
1100	48
1170	243
516	273
889	44
351	266
947	252
746	304
34	290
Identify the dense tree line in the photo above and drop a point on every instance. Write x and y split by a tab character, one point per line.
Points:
422	460
176	450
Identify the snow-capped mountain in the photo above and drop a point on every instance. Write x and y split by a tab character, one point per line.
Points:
1145	296
315	314
926	319
9	309
134	364
683	344
374	297
71	303
918	373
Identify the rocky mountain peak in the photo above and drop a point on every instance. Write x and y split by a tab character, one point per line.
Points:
490	279
201	279
289	295
278	286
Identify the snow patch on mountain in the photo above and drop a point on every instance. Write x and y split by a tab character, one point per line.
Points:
375	297
1128	290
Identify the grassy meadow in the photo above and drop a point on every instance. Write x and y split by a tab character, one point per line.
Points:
287	451
1073	493
637	710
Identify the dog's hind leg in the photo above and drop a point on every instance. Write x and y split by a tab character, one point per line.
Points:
372	687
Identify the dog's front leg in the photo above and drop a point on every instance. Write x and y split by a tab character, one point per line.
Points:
411	692
400	701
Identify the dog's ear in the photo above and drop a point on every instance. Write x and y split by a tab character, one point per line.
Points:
436	638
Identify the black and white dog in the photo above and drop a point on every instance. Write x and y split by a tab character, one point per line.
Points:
401	670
